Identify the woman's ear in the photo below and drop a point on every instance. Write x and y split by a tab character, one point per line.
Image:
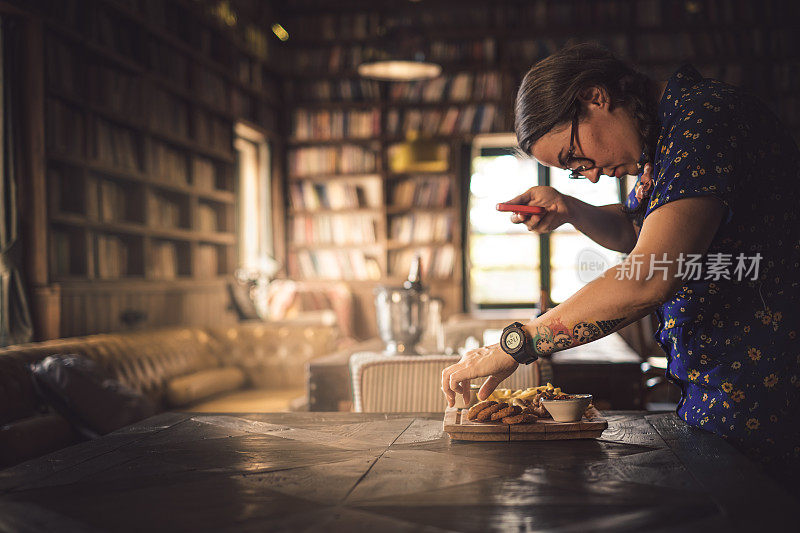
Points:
596	96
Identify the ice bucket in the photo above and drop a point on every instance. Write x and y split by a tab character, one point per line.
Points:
401	318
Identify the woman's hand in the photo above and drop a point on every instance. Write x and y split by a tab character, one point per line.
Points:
489	361
556	204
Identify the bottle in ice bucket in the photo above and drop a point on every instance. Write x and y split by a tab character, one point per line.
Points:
401	312
414	280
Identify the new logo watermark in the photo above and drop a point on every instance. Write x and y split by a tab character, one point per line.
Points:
591	264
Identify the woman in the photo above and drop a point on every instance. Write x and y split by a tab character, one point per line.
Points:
718	176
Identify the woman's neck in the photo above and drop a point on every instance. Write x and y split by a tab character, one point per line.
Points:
660	87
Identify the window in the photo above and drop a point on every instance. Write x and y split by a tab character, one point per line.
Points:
255	201
509	267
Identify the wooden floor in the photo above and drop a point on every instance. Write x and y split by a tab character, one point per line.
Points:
394	472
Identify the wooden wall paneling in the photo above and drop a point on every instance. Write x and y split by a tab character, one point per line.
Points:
100	307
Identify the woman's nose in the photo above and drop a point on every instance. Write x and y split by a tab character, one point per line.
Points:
593	175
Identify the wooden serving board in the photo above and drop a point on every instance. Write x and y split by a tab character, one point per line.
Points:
460	428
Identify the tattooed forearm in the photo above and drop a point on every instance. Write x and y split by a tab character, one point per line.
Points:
608	325
556	336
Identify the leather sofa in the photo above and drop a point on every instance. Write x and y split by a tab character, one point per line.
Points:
249	367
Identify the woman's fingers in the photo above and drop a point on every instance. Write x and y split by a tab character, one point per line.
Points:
448	392
452	384
518	218
543	223
488	387
456	378
466	391
491	384
533	221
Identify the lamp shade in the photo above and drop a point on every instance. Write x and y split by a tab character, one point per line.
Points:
399	70
401	57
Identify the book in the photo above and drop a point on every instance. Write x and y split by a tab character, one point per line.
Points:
344	229
65	127
168	164
116	145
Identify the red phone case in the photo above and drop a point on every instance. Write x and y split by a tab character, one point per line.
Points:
516	208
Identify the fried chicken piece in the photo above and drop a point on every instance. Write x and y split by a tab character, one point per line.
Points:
511	410
472	414
485	414
521	418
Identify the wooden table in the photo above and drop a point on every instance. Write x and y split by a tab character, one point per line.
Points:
396	472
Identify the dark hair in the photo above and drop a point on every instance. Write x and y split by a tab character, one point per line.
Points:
549	92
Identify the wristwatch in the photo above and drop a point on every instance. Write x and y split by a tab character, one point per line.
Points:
516	343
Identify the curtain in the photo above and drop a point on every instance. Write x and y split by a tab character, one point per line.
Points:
15	321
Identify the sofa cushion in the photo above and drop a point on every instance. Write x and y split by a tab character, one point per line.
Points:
34	436
94	403
184	390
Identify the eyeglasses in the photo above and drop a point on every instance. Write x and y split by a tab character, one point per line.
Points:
576	165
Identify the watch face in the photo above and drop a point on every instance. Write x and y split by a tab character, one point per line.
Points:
513	340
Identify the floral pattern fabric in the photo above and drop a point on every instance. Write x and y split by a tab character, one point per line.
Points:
732	343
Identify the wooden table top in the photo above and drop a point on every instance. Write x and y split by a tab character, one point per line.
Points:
392	472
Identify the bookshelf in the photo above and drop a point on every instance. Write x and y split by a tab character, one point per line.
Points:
141	98
485	48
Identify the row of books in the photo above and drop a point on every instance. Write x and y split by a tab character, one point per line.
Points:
113	255
113	32
248	107
210	87
166	212
341	229
707	44
64	69
66	190
335	124
346	159
211	131
115	91
483	50
422	192
116	202
536	14
422	227
168	113
164	260
208	260
168	63
65	129
335	58
208	217
334	264
115	145
659	12
204	173
436	262
307	195
459	87
251	73
355	90
68	245
167	164
341	26
467	119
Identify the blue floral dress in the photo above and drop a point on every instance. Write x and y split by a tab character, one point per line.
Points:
731	340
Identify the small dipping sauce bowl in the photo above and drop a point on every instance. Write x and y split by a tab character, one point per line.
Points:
570	409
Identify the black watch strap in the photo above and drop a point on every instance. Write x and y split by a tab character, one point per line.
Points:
516	343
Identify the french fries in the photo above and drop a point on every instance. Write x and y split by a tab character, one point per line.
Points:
529	398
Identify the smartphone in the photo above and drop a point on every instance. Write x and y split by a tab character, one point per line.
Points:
527	209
